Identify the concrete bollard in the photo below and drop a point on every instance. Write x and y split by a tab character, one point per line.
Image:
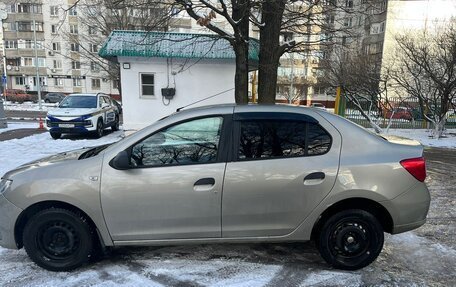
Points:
3	123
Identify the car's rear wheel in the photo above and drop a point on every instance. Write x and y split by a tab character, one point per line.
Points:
115	126
350	239
100	129
58	239
55	135
47	101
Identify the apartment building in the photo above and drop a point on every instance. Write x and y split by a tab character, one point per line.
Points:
63	66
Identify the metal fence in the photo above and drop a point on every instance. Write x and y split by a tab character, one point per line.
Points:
402	114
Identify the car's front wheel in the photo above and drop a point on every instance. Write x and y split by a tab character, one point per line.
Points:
58	239
350	239
100	129
115	126
55	136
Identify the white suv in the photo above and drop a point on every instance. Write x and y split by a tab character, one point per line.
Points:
83	113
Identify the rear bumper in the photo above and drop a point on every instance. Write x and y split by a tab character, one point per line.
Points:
8	216
409	210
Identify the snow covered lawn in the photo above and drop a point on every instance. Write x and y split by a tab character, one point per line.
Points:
29	106
19	125
422	135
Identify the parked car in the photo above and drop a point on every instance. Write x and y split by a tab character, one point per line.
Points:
54	97
403	113
220	174
19	96
82	113
118	105
318	105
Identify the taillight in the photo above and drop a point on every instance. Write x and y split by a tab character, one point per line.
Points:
416	167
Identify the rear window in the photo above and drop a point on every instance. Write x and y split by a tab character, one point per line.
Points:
263	139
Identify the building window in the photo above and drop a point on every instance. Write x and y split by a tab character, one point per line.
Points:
28	26
58	82
94	67
30	44
349	3
93	48
115	84
74	47
76	82
20	81
92	30
348	22
76	65
56	46
377	28
41	62
96	83
10	26
27	61
147	85
74	29
54	29
10	44
73	11
29	8
54	10
57	64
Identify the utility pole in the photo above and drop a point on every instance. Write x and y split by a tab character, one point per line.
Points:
291	94
38	84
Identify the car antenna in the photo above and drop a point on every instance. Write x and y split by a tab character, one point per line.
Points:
179	109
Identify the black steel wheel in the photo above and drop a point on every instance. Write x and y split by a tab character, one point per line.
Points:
58	239
350	239
55	136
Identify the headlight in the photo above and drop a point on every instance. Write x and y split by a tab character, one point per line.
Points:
4	184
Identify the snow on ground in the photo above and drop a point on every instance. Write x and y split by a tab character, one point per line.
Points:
422	135
29	106
20	151
19	125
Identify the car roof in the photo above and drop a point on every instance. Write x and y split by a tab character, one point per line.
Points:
85	95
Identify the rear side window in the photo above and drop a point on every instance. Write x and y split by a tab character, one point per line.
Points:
261	139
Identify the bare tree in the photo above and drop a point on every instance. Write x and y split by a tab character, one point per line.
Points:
100	18
358	75
425	68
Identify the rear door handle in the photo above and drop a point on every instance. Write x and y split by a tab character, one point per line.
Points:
314	178
315	175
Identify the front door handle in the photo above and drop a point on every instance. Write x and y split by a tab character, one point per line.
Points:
205	181
314	178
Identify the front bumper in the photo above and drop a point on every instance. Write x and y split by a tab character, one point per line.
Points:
79	125
8	216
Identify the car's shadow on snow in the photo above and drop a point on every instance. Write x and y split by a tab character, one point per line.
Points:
302	254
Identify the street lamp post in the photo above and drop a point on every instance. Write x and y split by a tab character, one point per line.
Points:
38	84
3	16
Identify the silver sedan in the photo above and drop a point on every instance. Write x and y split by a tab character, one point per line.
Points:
220	174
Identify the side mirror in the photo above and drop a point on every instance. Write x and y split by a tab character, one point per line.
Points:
121	161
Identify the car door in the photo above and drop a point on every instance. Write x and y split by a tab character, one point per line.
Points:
173	189
110	111
283	165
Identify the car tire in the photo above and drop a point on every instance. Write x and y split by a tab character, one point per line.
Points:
115	126
350	239
58	239
100	129
47	101
55	136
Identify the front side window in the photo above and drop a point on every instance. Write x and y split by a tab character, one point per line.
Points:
262	139
191	142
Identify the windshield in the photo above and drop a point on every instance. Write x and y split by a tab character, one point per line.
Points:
85	102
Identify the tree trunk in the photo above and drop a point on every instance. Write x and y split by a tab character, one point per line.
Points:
270	50
241	77
240	13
